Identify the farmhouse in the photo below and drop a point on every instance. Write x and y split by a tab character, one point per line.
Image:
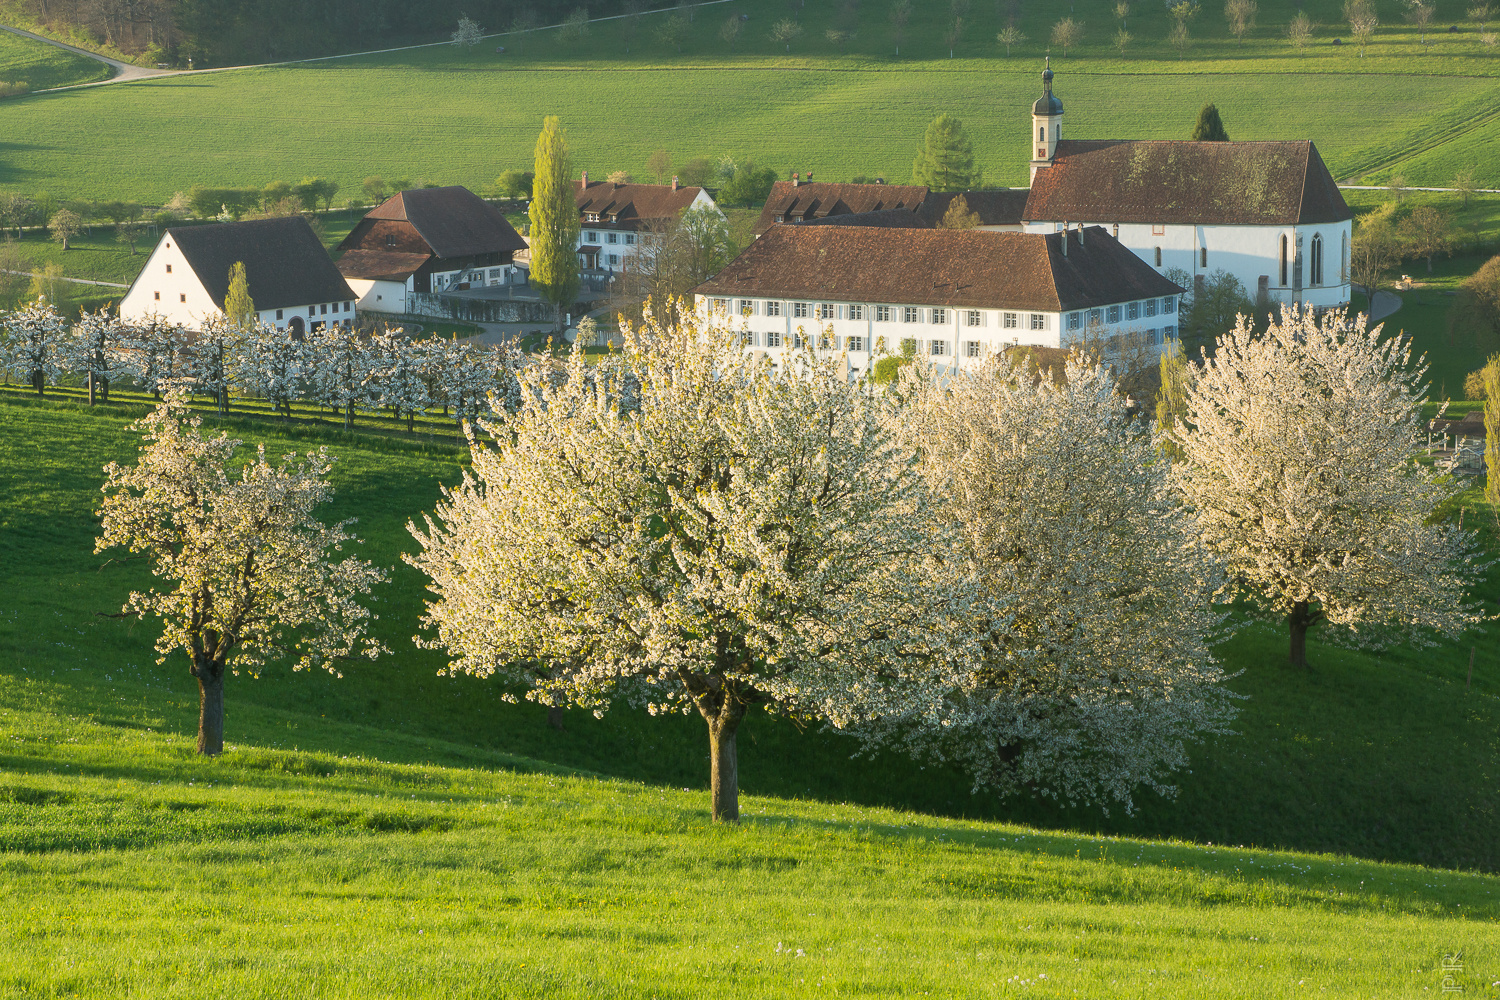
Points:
954	296
427	240
1268	213
293	282
617	219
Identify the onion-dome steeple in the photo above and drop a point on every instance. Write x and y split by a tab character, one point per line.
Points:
1048	105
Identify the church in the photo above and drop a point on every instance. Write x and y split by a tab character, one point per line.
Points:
1268	213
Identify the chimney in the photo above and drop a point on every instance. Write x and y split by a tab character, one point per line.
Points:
796	179
809	177
585	178
1080	234
1065	239
674	182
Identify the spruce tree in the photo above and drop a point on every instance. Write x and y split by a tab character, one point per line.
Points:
946	160
1210	126
554	220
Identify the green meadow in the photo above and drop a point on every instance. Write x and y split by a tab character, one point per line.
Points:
447	115
396	832
40	66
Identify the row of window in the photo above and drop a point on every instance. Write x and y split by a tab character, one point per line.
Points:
936	315
589	236
1155	337
1125	312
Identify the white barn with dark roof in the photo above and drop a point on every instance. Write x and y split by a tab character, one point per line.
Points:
292	280
1269	213
956	297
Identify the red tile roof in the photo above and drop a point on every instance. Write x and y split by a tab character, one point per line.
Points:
454	221
381	264
632	205
940	267
816	200
1206	183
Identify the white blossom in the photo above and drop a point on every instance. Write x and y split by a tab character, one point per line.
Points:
272	364
339	363
398	376
96	349
155	346
739	539
1301	447
246	564
33	344
212	363
1095	611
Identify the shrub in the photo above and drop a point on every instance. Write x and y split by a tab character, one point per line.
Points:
16	88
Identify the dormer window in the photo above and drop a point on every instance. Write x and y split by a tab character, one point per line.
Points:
390	239
780	218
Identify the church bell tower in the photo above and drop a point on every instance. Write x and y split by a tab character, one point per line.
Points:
1046	124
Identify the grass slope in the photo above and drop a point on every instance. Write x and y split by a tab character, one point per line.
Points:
40	66
461	116
130	868
1386	757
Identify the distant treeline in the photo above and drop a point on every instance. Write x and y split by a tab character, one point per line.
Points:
225	32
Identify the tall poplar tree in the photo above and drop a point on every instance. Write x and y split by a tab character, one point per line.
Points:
239	308
554	220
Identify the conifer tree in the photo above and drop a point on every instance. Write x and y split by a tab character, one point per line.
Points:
1210	126
946	160
554	220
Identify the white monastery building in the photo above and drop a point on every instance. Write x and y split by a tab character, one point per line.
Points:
954	296
292	280
617	219
1268	213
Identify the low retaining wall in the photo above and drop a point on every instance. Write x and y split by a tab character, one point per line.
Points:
476	310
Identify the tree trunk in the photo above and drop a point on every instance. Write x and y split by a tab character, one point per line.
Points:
725	766
555	717
91	389
722	708
210	706
348	417
1297	623
37	382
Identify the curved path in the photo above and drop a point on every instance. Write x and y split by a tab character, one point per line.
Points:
123	70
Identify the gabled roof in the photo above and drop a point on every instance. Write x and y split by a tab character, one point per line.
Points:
381	264
1184	182
816	200
632	203
887	218
285	263
1002	207
940	267
454	221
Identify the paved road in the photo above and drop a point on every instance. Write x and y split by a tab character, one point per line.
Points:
1385	303
76	281
123	71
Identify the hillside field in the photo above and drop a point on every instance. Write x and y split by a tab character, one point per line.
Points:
449	115
398	833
